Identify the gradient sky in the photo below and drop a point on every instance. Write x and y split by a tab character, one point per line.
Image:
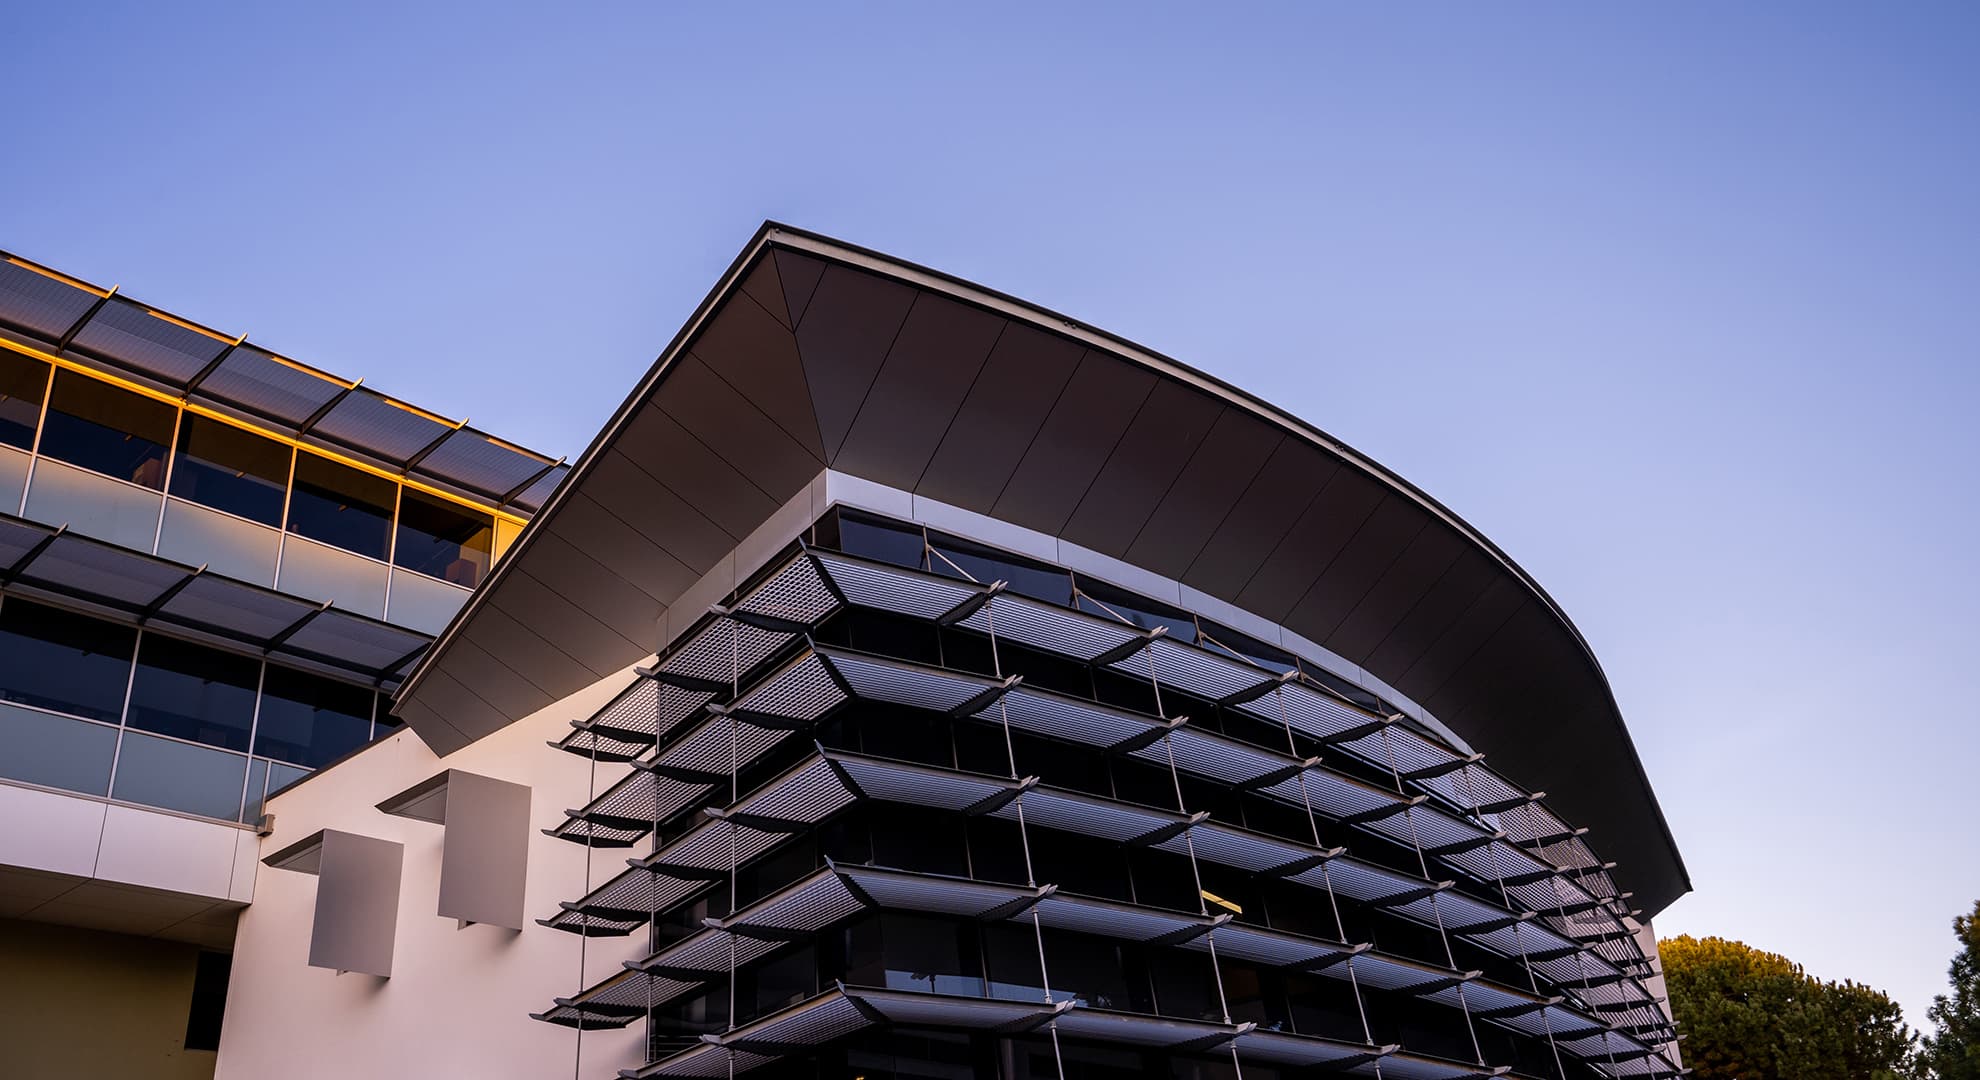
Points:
1679	304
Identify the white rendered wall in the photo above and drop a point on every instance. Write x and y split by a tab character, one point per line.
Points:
459	998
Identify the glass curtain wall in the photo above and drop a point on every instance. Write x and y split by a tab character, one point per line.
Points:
146	474
105	709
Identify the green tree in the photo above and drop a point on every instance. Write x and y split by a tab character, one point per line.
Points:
1954	1053
1752	1015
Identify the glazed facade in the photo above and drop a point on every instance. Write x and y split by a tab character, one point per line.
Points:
908	805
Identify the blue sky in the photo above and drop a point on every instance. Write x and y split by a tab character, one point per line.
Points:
1676	303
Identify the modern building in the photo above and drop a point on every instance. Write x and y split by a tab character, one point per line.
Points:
912	682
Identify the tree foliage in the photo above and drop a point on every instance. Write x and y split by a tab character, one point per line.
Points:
1752	1015
1954	1053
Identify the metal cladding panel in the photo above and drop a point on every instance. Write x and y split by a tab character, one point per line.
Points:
852	320
932	364
1262	516
668	522
627	591
1370	551
1310	546
1460	638
799	275
1435	611
1072	446
722	417
764	285
357	904
1217	475
1003	411
1394	594
1152	452
499	679
484	858
660	445
600	648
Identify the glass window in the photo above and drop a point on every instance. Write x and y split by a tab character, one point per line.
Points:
179	776
58	660
22	383
192	692
56	751
340	505
229	469
1102	599
443	540
310	720
111	431
874	538
985	565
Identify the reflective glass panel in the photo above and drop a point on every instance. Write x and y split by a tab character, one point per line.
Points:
341	506
443	540
63	661
56	751
310	720
111	431
193	692
985	565
1108	602
229	469
22	383
179	776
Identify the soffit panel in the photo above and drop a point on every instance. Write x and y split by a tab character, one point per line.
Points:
467	713
937	355
662	447
1261	518
533	656
1166	431
1374	547
849	326
1449	650
663	517
1093	411
1015	390
612	598
1395	593
1210	485
433	727
721	418
764	285
1319	534
759	357
1446	601
606	539
498	681
600	649
799	275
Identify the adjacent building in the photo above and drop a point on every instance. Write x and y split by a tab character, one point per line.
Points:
216	564
912	682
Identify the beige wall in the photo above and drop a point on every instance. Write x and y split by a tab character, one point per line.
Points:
459	997
76	1003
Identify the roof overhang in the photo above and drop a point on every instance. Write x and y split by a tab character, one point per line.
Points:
812	354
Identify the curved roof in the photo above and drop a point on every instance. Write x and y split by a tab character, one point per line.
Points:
812	354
